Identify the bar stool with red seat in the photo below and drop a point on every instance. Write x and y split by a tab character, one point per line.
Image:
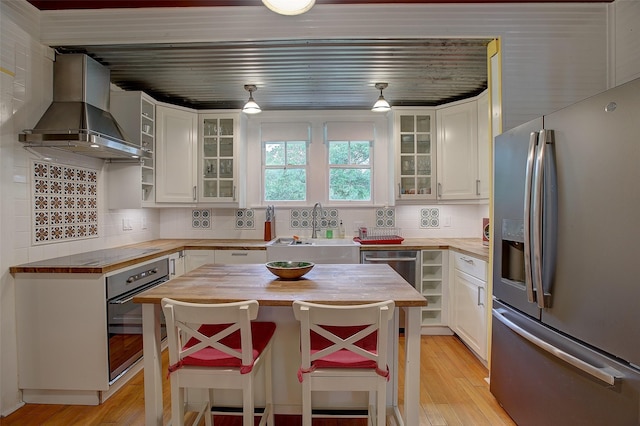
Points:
217	346
344	348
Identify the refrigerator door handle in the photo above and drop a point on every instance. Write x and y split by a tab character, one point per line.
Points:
543	299
607	374
528	279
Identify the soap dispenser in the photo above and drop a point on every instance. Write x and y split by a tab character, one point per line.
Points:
341	233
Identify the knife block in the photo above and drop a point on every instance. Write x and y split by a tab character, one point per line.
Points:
268	231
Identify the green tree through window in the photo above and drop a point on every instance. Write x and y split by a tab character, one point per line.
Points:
349	170
285	174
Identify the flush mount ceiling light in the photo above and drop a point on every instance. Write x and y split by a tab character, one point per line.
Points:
289	7
381	104
251	107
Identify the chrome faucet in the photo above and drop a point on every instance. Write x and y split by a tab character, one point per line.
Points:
314	215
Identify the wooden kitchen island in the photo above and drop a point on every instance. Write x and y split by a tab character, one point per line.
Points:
334	284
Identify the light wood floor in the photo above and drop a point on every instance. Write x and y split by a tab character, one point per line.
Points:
453	392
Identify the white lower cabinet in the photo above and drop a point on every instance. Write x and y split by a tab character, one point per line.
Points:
196	258
469	301
241	256
176	264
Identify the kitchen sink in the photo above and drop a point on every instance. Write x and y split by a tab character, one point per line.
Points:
317	250
313	242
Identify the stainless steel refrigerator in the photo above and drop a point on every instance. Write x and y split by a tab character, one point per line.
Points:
566	272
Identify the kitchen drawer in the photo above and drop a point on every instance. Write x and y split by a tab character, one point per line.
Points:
240	256
471	265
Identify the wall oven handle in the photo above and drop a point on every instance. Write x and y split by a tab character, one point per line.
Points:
390	259
528	280
608	375
129	296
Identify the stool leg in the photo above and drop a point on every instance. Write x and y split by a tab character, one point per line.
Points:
268	379
306	402
247	400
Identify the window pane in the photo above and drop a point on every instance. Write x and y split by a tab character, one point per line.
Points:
350	184
406	123
297	153
210	147
406	144
226	126
226	147
274	153
360	152
285	184
210	168
424	144
423	123
210	127
338	152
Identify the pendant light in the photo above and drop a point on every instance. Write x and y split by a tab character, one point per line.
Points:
381	104
251	107
289	7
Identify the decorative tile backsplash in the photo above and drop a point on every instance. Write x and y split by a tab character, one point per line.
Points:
385	218
303	218
201	218
65	203
245	219
430	218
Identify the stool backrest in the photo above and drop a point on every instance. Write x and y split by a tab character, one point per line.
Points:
193	327
334	333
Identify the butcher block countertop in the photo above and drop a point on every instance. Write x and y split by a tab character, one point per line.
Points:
334	284
107	260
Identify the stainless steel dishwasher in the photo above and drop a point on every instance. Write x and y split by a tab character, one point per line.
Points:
404	262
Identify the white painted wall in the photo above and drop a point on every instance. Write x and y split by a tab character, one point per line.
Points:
554	54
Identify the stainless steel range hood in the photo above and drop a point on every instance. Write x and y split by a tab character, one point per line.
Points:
78	120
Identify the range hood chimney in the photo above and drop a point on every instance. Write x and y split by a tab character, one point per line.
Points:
78	119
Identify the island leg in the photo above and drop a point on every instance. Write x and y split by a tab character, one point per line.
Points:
152	364
412	366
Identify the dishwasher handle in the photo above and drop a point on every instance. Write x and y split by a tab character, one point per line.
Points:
390	259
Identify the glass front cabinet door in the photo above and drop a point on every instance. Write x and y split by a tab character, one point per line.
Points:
218	157
415	154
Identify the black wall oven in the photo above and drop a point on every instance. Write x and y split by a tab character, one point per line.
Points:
124	318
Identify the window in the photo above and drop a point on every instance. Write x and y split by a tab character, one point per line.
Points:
285	171
285	154
350	165
349	170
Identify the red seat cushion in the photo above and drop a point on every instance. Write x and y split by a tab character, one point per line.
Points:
261	333
344	358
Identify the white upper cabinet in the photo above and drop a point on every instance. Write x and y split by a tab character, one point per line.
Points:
176	155
414	134
132	185
217	157
458	151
